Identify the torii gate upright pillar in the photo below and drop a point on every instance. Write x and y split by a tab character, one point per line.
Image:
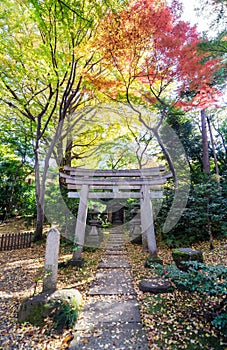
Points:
81	222
147	222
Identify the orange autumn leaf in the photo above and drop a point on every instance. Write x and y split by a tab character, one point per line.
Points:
147	45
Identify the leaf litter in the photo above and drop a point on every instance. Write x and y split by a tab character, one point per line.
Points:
177	320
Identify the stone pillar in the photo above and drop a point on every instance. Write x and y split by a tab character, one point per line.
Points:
51	260
81	222
147	222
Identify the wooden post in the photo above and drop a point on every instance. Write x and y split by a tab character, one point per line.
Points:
51	260
147	222
81	222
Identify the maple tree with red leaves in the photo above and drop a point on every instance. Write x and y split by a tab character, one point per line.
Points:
152	57
148	50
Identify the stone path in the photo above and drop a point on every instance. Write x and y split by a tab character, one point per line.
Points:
110	318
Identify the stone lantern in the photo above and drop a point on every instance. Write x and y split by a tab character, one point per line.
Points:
94	222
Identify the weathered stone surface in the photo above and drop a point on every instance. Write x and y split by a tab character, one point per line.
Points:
182	255
106	309
112	281
115	336
114	252
36	308
155	285
71	296
115	261
51	260
111	319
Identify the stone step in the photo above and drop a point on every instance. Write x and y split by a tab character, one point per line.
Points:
116	336
116	252
110	318
112	282
110	261
108	309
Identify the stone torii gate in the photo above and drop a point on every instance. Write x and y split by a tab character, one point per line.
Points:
143	184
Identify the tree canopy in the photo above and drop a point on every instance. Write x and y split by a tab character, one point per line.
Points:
64	62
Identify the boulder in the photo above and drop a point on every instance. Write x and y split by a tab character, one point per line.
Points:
35	309
182	255
155	285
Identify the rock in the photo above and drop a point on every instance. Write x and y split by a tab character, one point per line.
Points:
181	255
155	285
150	262
35	309
71	296
76	262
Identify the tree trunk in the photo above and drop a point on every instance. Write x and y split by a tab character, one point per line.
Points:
213	147
206	161
39	223
168	157
206	169
40	178
39	201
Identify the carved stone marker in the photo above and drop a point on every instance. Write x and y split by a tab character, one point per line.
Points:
51	260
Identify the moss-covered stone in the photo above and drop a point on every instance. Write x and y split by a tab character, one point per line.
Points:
152	261
182	255
35	309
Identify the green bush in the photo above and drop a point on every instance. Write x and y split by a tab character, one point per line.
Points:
64	315
220	322
207	201
204	279
17	195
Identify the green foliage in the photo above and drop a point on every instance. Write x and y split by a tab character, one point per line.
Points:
17	195
203	279
75	248
16	168
60	209
207	200
220	322
64	316
200	277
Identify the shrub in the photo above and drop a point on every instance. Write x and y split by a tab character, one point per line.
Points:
204	279
64	315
